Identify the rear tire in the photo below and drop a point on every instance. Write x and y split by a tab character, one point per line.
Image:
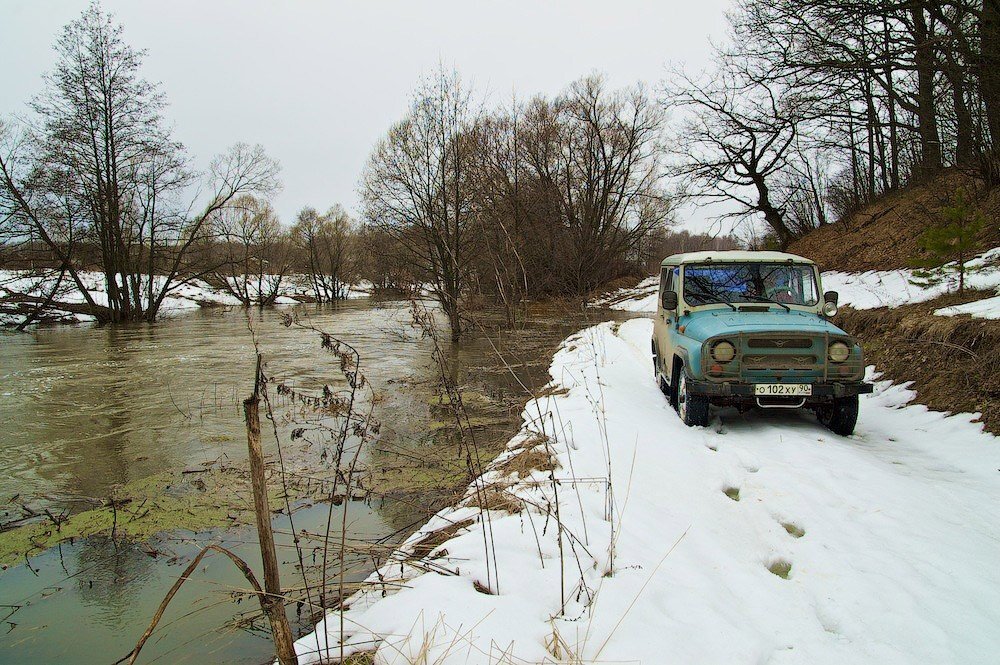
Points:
841	416
693	409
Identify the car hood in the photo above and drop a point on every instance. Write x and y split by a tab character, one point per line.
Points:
705	324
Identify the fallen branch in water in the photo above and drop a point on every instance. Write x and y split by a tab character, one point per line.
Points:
131	657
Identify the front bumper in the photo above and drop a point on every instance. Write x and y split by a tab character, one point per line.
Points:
739	389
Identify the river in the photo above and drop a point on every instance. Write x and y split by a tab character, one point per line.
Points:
89	412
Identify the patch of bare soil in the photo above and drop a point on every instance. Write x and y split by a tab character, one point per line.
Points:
885	234
953	361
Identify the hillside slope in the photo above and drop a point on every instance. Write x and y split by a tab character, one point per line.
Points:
885	234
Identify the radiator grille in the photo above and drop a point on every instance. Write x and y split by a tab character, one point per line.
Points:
779	343
772	361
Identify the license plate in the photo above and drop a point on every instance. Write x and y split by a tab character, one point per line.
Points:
783	389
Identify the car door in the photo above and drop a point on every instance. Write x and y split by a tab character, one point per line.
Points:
665	320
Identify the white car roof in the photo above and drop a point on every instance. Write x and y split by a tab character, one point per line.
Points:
733	256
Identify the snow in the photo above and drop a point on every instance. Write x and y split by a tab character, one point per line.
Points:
641	298
186	296
898	562
892	288
987	308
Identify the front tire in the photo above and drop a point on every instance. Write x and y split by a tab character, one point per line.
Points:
693	409
841	416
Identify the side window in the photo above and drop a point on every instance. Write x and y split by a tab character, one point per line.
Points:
666	282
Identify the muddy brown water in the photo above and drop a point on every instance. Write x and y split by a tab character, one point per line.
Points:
86	410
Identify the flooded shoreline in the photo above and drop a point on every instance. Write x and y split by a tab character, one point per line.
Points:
119	406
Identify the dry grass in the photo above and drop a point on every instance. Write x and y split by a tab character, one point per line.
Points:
793	530
360	658
885	234
953	361
496	497
549	391
526	461
781	568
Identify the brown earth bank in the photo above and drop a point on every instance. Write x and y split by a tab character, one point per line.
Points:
885	234
953	362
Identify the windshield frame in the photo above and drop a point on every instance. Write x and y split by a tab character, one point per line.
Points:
813	306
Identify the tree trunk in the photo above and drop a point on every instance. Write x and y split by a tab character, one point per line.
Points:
930	142
989	68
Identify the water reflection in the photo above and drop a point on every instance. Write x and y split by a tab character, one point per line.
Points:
111	578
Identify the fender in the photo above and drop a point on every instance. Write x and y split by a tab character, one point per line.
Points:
682	353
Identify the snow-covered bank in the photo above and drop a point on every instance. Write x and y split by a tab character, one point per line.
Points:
185	296
892	288
640	298
657	542
987	308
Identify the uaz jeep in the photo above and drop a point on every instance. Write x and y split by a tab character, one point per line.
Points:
749	329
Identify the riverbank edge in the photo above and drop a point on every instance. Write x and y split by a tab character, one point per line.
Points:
512	482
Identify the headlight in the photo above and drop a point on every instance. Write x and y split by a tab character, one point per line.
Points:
829	308
723	352
839	352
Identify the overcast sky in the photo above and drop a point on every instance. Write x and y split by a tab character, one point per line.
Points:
318	83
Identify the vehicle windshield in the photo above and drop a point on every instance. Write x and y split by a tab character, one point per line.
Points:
782	283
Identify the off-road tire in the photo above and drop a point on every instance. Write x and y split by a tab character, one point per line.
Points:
693	409
841	416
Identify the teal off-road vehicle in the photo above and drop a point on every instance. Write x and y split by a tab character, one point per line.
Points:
749	329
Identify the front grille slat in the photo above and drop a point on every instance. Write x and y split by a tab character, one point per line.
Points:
779	343
775	361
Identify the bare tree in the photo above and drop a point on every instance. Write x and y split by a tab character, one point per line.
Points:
416	189
328	245
735	144
502	194
597	155
255	258
102	169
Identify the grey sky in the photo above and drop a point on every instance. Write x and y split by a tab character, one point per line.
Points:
318	83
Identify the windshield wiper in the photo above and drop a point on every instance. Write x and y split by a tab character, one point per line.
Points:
724	301
772	302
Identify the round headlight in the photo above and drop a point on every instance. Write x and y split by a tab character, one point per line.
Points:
830	308
839	352
723	352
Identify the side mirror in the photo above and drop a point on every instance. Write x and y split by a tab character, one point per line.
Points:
669	300
830	300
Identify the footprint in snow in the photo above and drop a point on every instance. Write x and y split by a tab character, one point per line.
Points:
781	568
794	530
